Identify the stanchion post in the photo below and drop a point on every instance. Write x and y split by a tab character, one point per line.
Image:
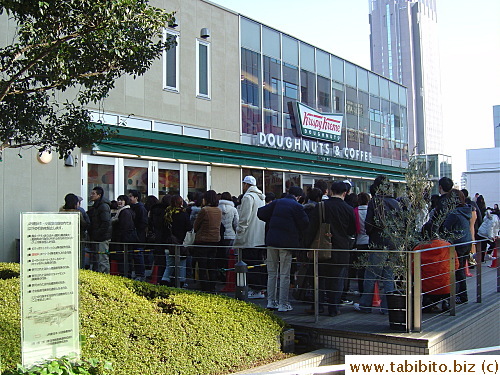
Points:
453	285
241	270
409	293
177	262
316	285
417	292
479	287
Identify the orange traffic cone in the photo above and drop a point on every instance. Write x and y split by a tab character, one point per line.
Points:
494	263
230	275
467	271
376	301
154	275
113	267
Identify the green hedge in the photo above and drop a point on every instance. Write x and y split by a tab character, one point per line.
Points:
146	329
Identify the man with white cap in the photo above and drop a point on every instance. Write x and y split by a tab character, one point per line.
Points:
250	234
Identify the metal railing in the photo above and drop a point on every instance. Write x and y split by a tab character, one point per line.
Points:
230	271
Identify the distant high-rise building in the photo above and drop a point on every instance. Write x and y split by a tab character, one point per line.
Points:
496	124
404	48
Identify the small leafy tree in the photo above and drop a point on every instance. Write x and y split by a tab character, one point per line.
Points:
61	44
403	227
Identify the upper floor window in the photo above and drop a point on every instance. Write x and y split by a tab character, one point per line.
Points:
202	68
171	63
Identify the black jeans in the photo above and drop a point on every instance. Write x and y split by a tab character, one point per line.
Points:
205	256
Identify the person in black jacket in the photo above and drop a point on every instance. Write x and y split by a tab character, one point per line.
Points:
342	222
124	231
381	206
141	226
100	229
287	221
176	225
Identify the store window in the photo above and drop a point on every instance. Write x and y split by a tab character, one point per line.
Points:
338	97
136	178
394	92
250	34
250	92
290	95
373	83
323	63
308	88
103	176
384	88
168	182
273	182
324	95
364	117
337	69
290	50
362	75
350	74
272	96
203	69
271	42
352	108
171	63
292	179
307	57
197	182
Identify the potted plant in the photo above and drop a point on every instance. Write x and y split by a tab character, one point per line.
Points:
400	230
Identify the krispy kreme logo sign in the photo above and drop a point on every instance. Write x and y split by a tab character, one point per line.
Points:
313	124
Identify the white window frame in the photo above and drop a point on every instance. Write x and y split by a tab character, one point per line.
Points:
209	83
177	39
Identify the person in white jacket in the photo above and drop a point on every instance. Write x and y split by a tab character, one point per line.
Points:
250	236
230	218
489	230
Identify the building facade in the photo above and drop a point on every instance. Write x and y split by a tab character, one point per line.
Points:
404	47
483	167
233	98
496	124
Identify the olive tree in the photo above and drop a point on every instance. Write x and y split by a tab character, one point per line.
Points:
83	45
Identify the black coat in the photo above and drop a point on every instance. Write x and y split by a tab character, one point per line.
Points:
157	217
124	227
163	234
100	220
287	221
342	222
140	220
378	208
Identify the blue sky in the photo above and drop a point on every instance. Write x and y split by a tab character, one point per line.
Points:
469	37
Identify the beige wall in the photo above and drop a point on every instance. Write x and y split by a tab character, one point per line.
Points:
145	96
27	185
227	179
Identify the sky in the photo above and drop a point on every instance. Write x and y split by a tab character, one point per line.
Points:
469	38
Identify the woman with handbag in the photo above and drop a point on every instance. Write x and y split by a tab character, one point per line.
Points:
207	229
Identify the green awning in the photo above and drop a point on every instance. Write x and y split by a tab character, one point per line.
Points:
137	143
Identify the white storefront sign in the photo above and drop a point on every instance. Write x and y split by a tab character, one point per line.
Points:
313	147
313	124
49	286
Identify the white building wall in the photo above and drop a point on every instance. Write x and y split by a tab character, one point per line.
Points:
483	174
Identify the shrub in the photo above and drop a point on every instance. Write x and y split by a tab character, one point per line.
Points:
146	329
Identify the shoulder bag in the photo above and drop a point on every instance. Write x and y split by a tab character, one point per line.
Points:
323	237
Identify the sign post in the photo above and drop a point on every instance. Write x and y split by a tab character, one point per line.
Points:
49	286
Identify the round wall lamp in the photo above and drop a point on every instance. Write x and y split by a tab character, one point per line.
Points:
44	157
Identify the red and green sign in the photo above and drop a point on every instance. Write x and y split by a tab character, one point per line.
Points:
313	124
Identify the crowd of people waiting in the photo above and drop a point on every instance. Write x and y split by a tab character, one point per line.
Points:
267	229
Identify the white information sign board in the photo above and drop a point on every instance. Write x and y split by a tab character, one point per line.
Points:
49	285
